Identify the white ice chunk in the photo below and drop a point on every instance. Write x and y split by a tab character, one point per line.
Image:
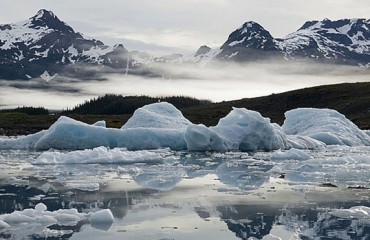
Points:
39	208
367	132
161	115
22	142
304	142
99	155
102	216
3	225
291	154
101	123
67	133
241	129
325	125
201	138
17	217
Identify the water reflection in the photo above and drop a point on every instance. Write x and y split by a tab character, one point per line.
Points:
195	196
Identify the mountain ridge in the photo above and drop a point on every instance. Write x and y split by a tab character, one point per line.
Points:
46	47
344	41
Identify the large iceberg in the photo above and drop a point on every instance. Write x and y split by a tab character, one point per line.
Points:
241	129
325	125
161	125
70	134
146	130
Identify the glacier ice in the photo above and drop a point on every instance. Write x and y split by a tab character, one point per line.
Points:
101	155
161	115
161	125
241	129
70	134
291	154
325	125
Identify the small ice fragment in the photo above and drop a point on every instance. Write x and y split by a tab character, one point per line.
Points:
102	216
291	154
40	207
3	225
17	217
100	124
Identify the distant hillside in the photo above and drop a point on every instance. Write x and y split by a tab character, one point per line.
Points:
27	110
350	99
112	104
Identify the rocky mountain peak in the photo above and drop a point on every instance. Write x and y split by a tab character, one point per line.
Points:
250	35
47	19
202	50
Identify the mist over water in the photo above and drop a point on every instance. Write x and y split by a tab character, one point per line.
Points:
219	82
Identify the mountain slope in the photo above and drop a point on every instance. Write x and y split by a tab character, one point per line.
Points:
45	44
345	41
249	42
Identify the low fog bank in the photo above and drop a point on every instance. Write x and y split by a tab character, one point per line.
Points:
219	82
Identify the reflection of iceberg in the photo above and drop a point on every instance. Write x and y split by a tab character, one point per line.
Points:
352	223
159	177
35	222
102	219
350	170
244	175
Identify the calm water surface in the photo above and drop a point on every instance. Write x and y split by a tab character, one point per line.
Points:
192	196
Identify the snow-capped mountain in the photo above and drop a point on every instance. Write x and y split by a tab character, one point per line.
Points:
249	42
345	41
44	46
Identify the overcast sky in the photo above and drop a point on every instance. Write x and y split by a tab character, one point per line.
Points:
168	26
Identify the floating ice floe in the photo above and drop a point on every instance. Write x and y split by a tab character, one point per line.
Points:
325	125
161	125
163	178
158	116
241	129
101	155
291	154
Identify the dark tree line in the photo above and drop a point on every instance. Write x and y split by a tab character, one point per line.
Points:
27	110
111	104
